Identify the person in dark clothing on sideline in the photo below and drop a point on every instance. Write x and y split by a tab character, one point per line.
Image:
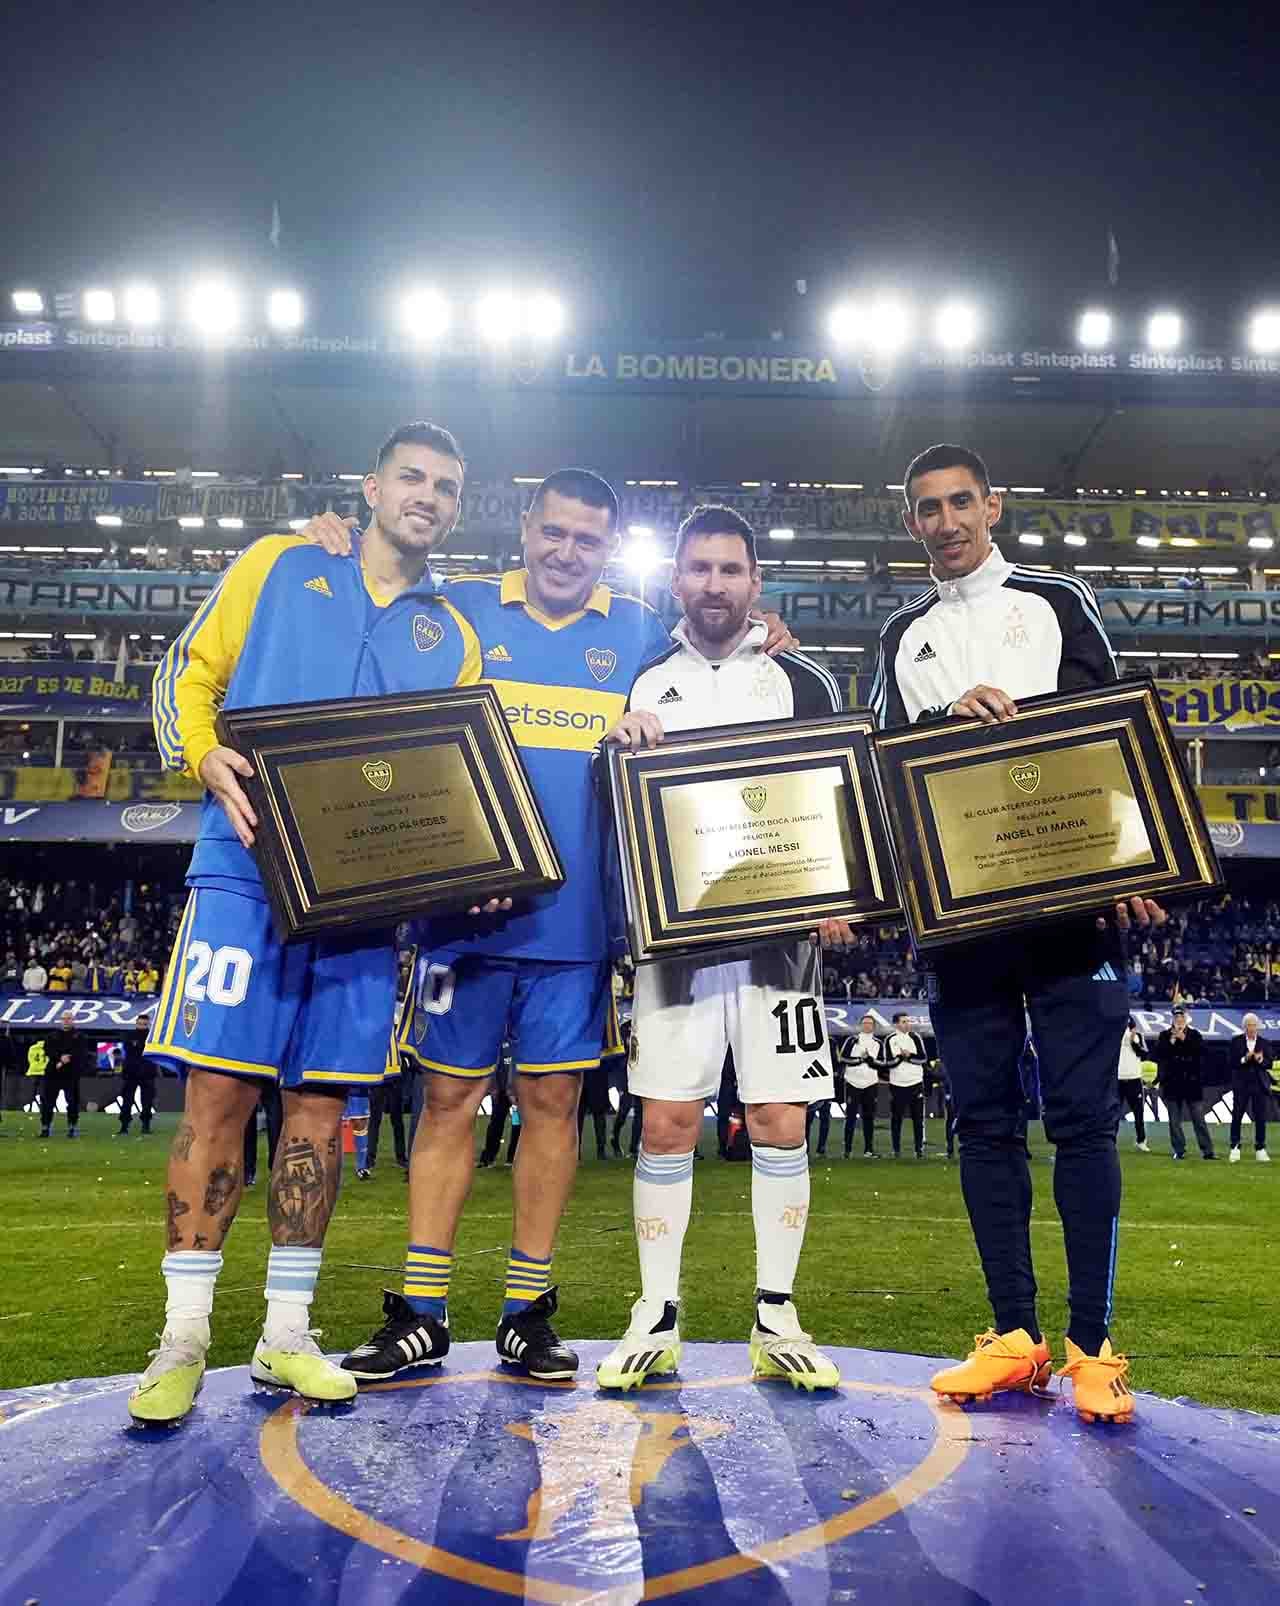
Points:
860	1059
501	1106
272	1106
1129	1083
68	1061
904	1053
137	1076
821	1110
727	1102
594	1101
1250	1089
388	1099
1179	1057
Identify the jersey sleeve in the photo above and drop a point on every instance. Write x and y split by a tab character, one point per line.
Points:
472	670
192	678
886	699
815	692
1087	656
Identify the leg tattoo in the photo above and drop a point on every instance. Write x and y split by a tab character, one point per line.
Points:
222	1184
176	1207
304	1186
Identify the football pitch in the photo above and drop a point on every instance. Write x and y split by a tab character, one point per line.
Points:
889	1262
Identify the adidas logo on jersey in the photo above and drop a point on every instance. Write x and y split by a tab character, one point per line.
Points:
497	655
319	585
671	695
926	655
816	1069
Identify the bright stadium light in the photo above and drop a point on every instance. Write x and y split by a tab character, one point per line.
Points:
141	304
284	309
1094	328
846	323
641	555
231	524
888	325
544	316
212	307
1149	540
1074	538
1030	538
1264	330
497	316
1262	543
1164	331
109	521
28	303
782	533
98	306
425	314
191	521
955	325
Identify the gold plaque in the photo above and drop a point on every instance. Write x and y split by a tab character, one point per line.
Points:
749	834
1078	801
372	810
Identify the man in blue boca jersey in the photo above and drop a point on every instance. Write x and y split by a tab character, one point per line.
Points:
562	650
286	624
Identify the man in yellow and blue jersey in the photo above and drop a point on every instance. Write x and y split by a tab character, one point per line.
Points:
288	623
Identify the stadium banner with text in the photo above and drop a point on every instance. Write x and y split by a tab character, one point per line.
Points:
1213	522
40	783
64	501
99	822
63	687
1243	805
741	368
1226	707
1219	1022
91	1011
97	593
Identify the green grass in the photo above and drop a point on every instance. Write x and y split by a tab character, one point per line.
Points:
889	1262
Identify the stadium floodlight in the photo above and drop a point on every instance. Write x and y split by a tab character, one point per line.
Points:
1149	540
425	314
28	303
98	306
231	524
846	323
641	555
141	304
1262	543
109	521
1264	330
498	316
1164	331
782	533
192	521
1030	538
1094	328
888	325
955	325
284	309
544	316
212	307
1074	538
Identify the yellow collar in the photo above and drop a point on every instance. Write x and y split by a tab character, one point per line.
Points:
515	589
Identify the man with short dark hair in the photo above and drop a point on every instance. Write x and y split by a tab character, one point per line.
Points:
68	1052
985	633
906	1058
860	1057
1179	1057
137	1076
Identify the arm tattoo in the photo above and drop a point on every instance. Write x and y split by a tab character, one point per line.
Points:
183	1138
302	1194
223	1182
176	1207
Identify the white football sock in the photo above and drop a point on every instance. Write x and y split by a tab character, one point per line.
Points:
780	1209
662	1197
189	1276
291	1283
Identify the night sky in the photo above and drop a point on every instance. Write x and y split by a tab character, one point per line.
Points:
670	175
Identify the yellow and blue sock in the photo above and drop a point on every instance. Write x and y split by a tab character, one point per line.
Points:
527	1279
426	1280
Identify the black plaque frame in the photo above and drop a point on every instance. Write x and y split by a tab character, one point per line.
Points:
656	926
1129	711
469	717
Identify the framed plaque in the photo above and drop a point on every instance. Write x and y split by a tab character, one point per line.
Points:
375	809
749	833
1078	801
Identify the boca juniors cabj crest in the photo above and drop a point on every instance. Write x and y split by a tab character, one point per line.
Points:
427	632
1026	777
378	774
754	797
601	661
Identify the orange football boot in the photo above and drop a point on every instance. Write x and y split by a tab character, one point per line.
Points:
997	1361
1099	1384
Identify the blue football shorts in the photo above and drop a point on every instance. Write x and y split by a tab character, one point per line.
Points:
465	1006
236	1000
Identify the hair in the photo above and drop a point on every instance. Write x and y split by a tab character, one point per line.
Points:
902	1015
944	456
580	485
420	434
713	518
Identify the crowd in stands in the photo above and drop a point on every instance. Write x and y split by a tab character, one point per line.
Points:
64	936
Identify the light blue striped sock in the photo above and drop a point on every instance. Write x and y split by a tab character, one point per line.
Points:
189	1276
780	1208
291	1283
661	1199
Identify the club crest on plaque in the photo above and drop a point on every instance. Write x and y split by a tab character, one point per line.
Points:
1026	777
601	661
378	775
754	797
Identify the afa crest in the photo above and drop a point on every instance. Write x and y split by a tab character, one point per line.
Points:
378	774
427	632
755	797
601	661
1026	777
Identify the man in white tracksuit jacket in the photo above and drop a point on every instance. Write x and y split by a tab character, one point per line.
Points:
764	1003
986	633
